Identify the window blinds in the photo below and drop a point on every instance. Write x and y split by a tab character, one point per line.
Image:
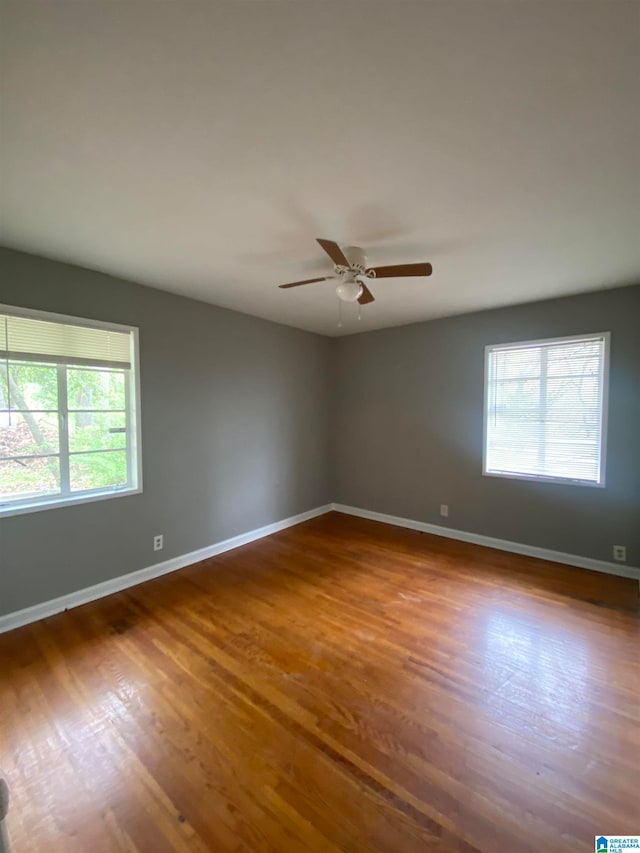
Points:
545	409
27	338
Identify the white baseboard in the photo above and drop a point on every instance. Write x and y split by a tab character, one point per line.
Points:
99	590
501	544
65	602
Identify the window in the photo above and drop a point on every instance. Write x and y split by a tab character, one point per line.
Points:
545	409
69	410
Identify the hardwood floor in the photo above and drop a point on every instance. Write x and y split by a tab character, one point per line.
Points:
342	685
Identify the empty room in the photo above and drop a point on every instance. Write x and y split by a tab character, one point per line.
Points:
319	426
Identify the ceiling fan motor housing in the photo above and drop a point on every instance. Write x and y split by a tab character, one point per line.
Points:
357	258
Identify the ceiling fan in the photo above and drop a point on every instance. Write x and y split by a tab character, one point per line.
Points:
354	274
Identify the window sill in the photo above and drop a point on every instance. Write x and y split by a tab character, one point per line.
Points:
8	510
533	478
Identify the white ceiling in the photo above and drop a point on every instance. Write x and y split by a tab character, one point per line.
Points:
200	147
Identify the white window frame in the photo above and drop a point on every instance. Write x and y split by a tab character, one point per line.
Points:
134	417
604	409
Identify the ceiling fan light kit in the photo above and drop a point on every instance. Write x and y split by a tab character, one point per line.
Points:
351	267
349	290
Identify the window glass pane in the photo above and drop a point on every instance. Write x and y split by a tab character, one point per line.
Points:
98	470
26	435
95	389
517	364
576	459
97	430
29	478
521	459
578	359
516	395
31	386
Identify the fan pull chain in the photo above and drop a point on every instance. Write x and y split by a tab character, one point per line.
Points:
339	313
359	310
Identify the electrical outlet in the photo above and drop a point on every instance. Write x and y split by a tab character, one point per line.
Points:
444	510
158	542
620	553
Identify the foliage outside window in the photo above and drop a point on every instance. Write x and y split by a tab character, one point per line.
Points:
68	410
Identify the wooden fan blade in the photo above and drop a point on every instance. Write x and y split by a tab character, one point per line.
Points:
398	270
306	281
334	251
366	296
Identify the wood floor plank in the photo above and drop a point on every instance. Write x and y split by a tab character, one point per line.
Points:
342	685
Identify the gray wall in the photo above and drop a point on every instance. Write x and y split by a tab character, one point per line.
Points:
234	433
407	427
246	422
